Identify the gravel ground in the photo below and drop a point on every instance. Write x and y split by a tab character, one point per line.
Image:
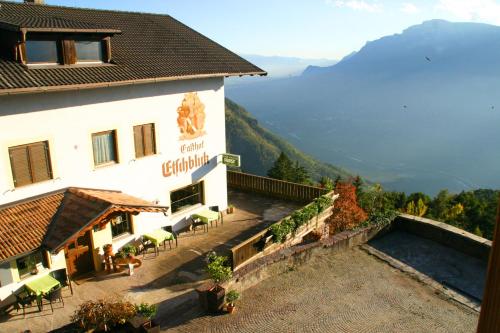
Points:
344	292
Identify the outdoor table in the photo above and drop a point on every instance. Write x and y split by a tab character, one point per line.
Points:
158	236
42	286
207	216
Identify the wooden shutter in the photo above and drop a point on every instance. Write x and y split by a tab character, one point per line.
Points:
69	52
19	162
139	148
40	162
149	139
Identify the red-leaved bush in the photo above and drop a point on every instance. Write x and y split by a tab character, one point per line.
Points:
346	213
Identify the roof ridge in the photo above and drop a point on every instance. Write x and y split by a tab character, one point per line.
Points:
85	8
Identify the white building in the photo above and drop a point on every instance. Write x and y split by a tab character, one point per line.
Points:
111	125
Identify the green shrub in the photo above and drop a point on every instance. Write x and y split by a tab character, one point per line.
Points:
146	310
278	232
103	314
380	218
323	202
218	270
232	296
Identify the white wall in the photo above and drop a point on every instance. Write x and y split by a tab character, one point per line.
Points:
68	119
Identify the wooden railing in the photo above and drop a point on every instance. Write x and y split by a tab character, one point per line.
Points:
273	187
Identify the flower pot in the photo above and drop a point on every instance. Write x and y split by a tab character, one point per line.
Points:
215	298
230	308
230	210
108	250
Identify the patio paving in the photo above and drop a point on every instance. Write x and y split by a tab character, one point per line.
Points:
348	291
168	279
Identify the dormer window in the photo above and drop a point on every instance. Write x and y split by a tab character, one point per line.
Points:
65	49
88	51
42	52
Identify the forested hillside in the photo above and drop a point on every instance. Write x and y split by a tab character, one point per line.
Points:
259	147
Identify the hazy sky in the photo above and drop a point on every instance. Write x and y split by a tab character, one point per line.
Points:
302	28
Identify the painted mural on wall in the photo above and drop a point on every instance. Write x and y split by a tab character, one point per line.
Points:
191	117
191	122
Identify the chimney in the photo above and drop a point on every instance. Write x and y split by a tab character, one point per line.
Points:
35	2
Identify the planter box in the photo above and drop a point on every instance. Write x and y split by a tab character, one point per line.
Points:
202	295
215	299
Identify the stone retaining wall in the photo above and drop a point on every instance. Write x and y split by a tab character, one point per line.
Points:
289	257
445	234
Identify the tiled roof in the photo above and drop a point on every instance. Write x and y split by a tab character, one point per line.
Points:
23	225
150	48
53	219
17	22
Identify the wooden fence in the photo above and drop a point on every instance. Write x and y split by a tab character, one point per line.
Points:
273	187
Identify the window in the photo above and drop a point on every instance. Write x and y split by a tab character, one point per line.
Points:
186	197
104	147
120	225
30	163
88	51
42	51
27	264
144	139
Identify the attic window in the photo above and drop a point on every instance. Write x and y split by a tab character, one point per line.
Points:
88	51
42	52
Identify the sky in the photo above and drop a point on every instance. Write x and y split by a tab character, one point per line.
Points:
328	29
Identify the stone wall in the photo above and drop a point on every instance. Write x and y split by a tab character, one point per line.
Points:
289	257
445	234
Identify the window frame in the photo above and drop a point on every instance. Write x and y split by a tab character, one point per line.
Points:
30	163
125	217
115	147
33	262
200	194
66	48
59	51
96	61
143	142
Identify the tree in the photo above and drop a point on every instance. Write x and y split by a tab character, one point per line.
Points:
418	209
299	174
326	183
282	168
346	213
285	169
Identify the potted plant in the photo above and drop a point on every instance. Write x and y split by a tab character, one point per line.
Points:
231	297
230	209
219	272
144	315
103	315
129	251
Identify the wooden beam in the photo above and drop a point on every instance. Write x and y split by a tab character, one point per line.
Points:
489	319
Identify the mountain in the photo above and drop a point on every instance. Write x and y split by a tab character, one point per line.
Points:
278	67
259	147
415	111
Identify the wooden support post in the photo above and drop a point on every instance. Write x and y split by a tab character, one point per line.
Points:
489	319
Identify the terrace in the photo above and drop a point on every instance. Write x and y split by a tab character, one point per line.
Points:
170	276
416	275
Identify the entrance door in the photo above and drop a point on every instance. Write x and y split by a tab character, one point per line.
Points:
79	256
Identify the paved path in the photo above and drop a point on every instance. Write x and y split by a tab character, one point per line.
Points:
344	292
